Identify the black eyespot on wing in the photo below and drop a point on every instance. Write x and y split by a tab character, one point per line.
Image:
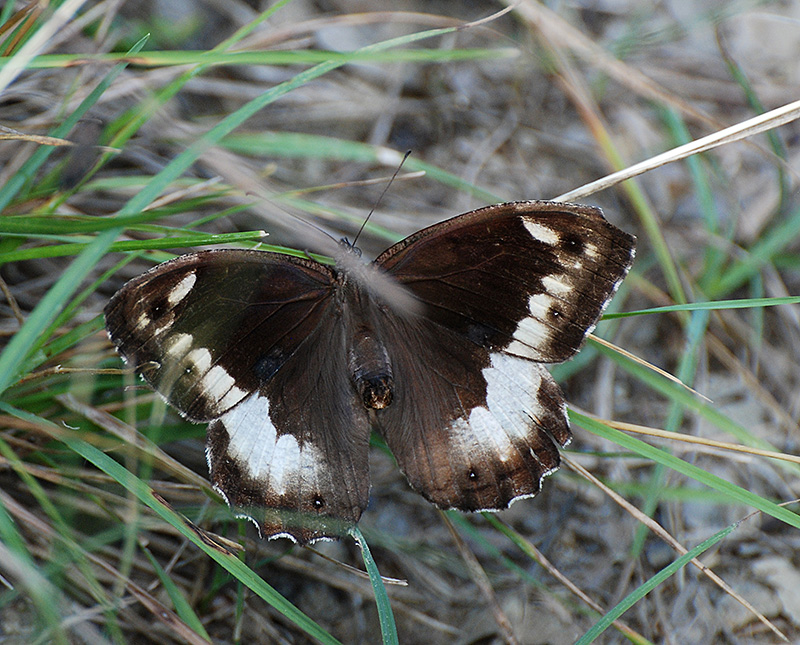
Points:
266	366
480	334
572	243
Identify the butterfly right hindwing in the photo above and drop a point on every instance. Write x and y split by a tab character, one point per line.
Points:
294	457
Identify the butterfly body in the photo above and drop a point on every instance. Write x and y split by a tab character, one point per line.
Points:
293	363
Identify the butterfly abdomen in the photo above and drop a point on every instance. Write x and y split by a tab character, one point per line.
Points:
370	369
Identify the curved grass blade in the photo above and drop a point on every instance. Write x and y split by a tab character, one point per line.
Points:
385	615
645	588
657	455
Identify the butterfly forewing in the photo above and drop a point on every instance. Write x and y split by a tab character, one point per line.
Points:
530	278
206	329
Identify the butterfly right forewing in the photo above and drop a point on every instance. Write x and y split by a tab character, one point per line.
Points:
528	278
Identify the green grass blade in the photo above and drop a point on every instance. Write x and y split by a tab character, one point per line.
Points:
216	58
385	615
657	455
197	239
29	225
745	303
29	168
645	588
179	602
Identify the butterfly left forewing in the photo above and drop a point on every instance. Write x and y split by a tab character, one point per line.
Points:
206	329
242	339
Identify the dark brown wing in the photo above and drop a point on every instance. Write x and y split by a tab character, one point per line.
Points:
294	456
246	340
528	278
477	420
471	429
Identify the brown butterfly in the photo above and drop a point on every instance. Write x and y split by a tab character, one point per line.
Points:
293	363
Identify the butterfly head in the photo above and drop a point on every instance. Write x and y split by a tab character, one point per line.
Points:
349	247
371	279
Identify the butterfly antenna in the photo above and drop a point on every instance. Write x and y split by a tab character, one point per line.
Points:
377	203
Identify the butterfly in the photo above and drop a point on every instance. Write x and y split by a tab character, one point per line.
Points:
293	363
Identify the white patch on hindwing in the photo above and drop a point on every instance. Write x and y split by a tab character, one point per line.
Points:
278	462
505	422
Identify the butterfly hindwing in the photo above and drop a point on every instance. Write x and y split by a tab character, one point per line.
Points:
470	430
245	339
295	457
